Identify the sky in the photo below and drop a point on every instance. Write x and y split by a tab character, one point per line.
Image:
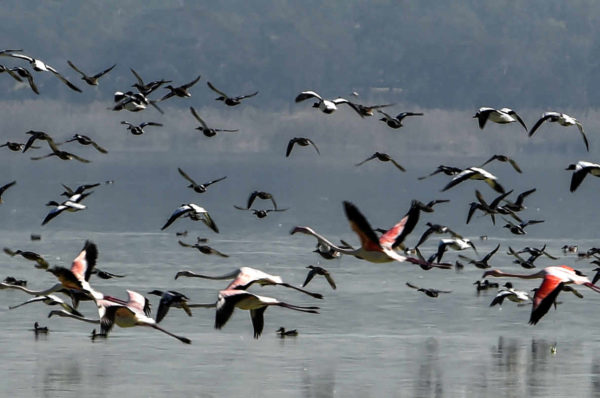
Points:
445	60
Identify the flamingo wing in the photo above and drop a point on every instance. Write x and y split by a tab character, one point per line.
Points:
544	297
258	320
85	262
360	225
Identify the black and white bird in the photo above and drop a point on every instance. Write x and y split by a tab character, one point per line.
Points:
501	116
230	101
580	170
85	140
325	105
453	243
447	170
195	213
138	129
396	122
562	119
168	299
476	173
508	292
302	141
40	66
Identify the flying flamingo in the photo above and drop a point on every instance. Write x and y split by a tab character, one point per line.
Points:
372	248
244	277
555	277
229	299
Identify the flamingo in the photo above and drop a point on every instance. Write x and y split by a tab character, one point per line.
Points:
257	305
49	299
554	277
373	249
244	277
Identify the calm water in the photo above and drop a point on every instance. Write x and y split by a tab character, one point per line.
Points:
373	337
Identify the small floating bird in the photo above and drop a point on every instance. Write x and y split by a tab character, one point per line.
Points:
139	129
195	213
41	263
483	263
91	80
11	280
429	292
396	122
40	66
260	195
384	157
260	213
85	140
516	296
569	249
554	278
230	299
519	229
315	270
245	277
476	173
181	91
230	101
199	188
168	299
4	187
503	158
447	170
207	131
485	285
501	116
37	329
563	120
281	332
203	249
325	105
580	170
302	141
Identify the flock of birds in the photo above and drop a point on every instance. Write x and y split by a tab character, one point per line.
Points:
376	245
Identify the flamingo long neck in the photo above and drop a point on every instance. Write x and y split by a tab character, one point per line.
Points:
230	275
66	314
536	275
324	240
210	305
46	292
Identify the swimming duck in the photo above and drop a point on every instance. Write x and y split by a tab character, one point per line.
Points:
281	332
37	329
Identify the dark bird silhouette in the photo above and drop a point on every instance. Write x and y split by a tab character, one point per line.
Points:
490	209
4	187
259	213
368	110
208	131
300	141
230	101
503	158
315	270
14	146
435	229
519	229
168	299
396	122
85	140
518	204
384	157
485	285
199	188
146	88
18	72
203	249
447	170
29	255
91	80
281	332
260	195
483	263
181	91
37	135
563	120
429	292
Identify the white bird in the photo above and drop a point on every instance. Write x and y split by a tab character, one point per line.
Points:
501	116
516	296
455	244
563	120
475	173
67	205
580	170
194	212
40	66
325	105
